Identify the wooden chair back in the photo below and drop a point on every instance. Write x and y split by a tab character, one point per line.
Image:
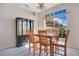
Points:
31	36
53	31
66	36
42	36
42	32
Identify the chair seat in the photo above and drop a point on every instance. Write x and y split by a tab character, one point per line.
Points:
59	43
34	41
45	44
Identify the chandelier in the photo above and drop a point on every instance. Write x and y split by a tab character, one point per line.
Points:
41	6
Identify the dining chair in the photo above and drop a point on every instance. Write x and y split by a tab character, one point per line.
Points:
33	42
54	33
44	42
61	42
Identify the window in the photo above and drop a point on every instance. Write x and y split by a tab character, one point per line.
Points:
58	19
57	13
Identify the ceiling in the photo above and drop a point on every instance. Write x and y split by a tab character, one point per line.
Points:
30	7
33	6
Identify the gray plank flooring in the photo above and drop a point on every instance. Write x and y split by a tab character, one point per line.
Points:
24	51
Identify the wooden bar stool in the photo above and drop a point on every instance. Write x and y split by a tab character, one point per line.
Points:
60	43
44	42
33	42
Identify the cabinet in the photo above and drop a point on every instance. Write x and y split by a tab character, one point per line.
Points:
22	30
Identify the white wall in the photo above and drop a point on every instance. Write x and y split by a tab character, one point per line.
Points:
40	22
7	24
73	22
74	26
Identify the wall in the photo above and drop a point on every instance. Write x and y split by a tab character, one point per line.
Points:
74	26
40	22
8	14
73	22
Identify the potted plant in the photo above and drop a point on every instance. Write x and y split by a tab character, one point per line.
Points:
62	31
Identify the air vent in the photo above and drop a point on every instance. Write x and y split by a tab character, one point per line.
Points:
26	5
33	13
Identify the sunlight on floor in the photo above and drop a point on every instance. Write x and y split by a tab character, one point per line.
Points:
26	45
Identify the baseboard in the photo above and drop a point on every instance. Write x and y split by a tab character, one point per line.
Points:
7	47
73	48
